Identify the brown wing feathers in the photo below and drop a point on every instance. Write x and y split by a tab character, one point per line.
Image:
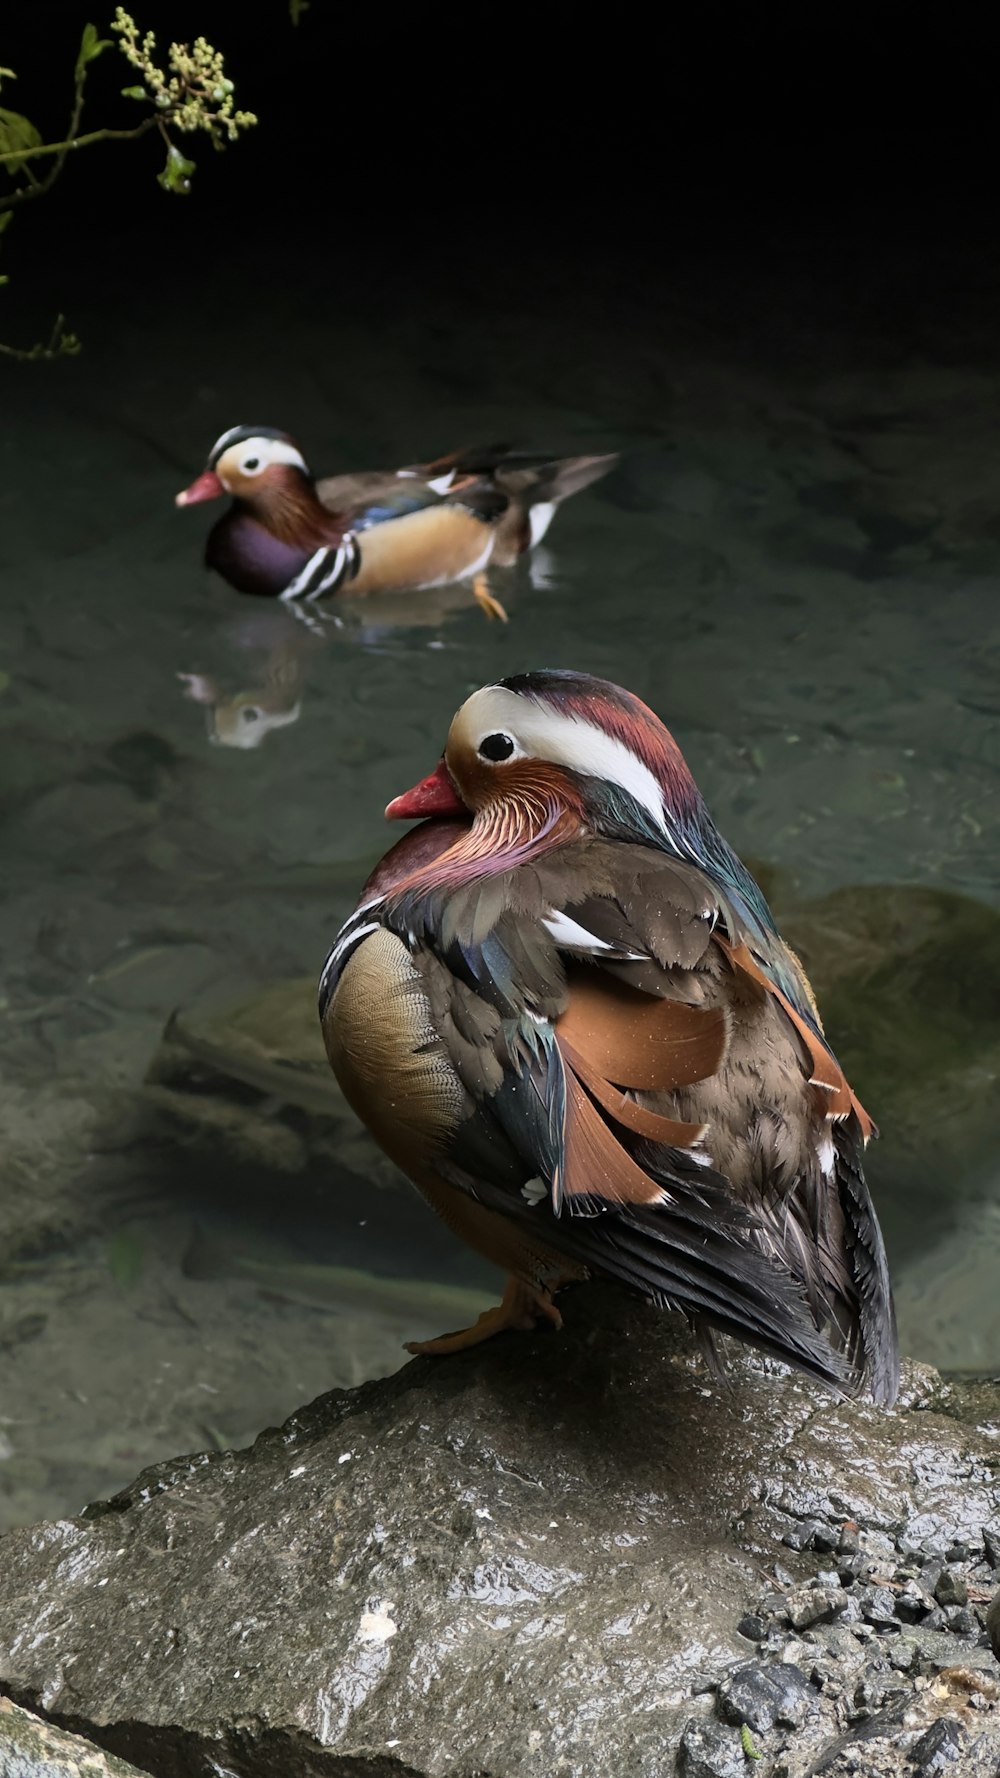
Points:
611	1037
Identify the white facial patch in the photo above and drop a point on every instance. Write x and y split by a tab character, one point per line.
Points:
543	733
262	451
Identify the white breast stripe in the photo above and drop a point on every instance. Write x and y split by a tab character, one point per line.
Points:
345	944
441	483
330	578
351	933
324	571
304	576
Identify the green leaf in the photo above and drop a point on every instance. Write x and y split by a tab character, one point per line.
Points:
176	175
134	92
91	46
297	8
17	133
125	1258
5	217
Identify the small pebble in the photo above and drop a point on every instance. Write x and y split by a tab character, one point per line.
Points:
752	1627
961	1621
957	1552
991	1542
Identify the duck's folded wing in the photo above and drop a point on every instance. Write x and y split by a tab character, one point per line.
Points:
612	1012
585	1171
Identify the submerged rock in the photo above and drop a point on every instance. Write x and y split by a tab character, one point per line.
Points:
533	1557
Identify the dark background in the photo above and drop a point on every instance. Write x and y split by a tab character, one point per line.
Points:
402	150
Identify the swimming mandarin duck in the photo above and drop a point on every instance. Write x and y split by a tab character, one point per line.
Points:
563	1008
288	536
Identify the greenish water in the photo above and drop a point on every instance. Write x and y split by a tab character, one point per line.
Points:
796	564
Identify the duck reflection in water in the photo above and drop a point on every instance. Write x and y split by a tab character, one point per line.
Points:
287	644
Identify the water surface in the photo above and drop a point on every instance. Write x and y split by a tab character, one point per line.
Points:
796	565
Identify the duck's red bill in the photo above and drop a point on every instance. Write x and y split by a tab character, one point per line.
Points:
207	487
435	795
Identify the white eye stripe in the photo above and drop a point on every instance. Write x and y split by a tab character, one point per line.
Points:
543	733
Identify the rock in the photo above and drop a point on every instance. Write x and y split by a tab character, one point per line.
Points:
938	1649
952	1588
752	1627
709	1751
878	1607
849	1541
467	1566
993	1624
991	1544
937	1746
814	1605
33	1748
800	1537
879	959
761	1695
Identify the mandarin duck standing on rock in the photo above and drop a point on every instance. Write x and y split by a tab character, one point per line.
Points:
287	536
564	1009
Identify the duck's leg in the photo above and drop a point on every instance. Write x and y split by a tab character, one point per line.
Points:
485	600
523	1306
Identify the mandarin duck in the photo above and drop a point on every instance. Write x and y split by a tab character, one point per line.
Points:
288	536
563	1008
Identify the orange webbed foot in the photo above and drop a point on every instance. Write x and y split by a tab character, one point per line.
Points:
523	1306
484	599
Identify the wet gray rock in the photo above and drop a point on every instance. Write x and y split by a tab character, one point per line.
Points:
30	1747
814	1605
952	1589
761	1695
937	1746
878	1607
709	1751
462	1570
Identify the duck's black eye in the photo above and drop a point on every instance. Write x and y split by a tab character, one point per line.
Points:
496	747
250	465
250	713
